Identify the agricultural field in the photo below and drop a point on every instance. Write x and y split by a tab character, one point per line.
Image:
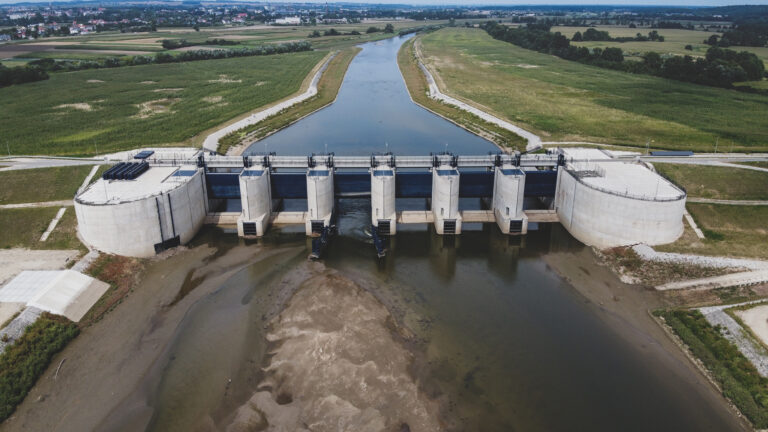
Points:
675	41
568	101
100	111
717	182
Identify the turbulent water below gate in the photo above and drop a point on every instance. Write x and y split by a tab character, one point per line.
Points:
475	333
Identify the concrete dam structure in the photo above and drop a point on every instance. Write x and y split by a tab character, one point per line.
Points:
142	208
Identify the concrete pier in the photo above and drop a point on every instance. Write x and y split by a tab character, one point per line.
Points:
383	212
256	198
445	199
508	190
320	198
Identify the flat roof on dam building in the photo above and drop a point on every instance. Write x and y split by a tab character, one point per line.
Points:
155	181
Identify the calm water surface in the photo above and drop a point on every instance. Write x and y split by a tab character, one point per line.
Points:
512	343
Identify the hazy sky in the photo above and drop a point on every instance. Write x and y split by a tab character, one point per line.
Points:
533	2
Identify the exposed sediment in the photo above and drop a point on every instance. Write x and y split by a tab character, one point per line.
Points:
336	365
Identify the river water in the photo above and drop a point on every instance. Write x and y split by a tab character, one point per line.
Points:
498	338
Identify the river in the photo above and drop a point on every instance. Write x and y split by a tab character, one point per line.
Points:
494	337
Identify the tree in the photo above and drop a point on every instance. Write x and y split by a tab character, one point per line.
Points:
373	30
689	47
576	37
612	54
389	28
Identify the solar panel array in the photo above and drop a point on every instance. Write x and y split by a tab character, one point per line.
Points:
125	171
144	154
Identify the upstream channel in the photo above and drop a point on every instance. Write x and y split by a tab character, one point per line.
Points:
500	334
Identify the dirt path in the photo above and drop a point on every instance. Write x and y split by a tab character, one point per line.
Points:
65	203
727	202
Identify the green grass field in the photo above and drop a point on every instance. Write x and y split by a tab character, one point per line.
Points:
718	182
23	227
101	111
737	231
43	184
570	101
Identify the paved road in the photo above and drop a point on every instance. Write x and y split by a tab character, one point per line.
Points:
64	203
727	202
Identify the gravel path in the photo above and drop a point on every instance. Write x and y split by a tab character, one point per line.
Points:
647	253
211	142
723	281
732	331
65	203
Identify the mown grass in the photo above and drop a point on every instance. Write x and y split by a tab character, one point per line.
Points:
717	182
737	377
737	231
181	100
570	101
756	164
67	55
41	184
327	89
417	86
23	362
22	228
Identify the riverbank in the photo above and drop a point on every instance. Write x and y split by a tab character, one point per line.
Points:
326	83
418	89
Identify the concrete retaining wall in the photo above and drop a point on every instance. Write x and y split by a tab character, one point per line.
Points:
605	219
133	228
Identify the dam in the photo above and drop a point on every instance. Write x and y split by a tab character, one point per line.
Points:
158	199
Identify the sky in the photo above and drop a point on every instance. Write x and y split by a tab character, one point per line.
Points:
513	3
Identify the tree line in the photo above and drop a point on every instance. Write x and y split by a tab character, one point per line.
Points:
593	34
754	33
720	68
37	70
182	43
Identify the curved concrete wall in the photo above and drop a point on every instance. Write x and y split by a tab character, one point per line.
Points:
604	219
132	228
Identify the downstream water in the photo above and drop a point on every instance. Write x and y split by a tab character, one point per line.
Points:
499	338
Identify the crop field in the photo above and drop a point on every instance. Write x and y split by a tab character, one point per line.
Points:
718	182
99	111
569	101
736	231
675	41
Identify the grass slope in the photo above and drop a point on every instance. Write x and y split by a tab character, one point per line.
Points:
327	89
564	100
23	228
717	182
417	87
737	231
136	106
43	184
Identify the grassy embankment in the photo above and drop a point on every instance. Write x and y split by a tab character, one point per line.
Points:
127	107
739	231
737	378
22	363
568	101
327	89
418	88
23	227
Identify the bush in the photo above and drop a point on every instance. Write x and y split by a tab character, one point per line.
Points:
738	378
23	362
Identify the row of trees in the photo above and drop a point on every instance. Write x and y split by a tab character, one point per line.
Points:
745	34
592	34
20	75
37	70
181	43
720	68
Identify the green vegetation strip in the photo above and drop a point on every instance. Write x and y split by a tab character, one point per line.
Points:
22	228
568	101
42	184
327	89
736	231
99	111
717	182
22	363
737	377
418	88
